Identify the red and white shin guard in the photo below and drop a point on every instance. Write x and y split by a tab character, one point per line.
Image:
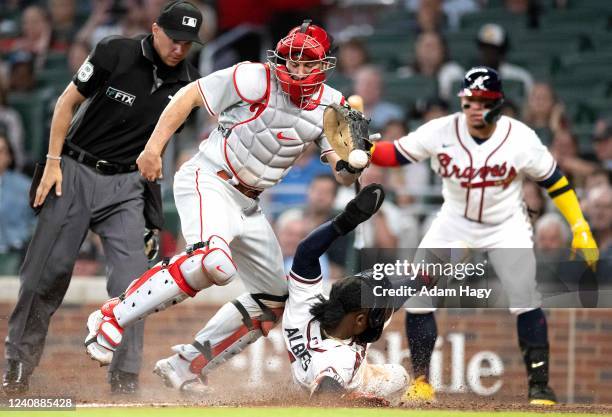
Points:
207	264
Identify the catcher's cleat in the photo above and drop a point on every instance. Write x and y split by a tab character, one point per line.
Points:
420	391
175	373
16	378
98	344
541	394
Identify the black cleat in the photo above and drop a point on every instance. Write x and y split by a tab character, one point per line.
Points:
359	209
123	382
16	378
541	394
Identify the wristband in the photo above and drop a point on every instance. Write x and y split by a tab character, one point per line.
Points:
54	158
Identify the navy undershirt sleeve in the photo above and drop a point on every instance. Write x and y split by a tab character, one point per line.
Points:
306	259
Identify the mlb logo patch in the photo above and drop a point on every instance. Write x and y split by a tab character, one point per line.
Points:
190	21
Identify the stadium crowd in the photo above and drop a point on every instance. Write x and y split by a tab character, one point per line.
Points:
406	60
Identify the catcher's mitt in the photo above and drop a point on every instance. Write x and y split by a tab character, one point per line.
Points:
346	129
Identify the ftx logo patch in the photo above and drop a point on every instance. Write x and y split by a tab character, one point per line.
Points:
120	96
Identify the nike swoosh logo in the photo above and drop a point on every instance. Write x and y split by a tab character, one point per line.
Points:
377	192
280	136
170	97
218	268
537	364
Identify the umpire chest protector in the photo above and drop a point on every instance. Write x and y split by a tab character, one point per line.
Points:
127	87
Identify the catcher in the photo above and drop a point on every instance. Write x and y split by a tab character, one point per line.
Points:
268	114
327	339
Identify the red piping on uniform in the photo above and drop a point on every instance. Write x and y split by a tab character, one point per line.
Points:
204	99
238	91
258	113
403	151
304	281
200	199
482	193
467	195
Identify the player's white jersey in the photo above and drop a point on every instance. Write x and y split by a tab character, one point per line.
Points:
482	183
312	356
261	132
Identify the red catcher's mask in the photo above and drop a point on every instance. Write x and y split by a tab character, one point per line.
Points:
306	43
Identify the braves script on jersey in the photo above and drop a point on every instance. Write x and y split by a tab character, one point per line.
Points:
262	133
312	356
483	182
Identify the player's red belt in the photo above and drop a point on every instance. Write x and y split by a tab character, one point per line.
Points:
249	192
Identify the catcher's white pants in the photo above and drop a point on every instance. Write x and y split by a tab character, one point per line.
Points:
208	205
510	253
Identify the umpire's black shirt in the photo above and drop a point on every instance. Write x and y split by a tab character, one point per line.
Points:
127	87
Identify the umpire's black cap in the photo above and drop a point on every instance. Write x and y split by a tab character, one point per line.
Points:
181	21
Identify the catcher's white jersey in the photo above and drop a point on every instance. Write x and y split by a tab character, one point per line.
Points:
482	183
261	132
311	355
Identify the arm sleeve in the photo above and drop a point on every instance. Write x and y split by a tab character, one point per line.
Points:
98	66
306	260
385	154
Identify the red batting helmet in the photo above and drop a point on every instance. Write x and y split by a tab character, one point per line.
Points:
303	43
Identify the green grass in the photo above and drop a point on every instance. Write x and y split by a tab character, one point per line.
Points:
280	412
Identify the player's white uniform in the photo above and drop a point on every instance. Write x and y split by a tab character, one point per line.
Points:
267	133
313	356
483	198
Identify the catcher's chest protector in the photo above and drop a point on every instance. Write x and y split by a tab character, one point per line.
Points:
261	151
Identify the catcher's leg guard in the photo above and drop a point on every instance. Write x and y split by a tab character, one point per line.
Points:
205	264
233	328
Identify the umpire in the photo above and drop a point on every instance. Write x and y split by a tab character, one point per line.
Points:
120	91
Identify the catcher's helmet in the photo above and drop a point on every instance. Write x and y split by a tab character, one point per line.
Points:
482	82
307	42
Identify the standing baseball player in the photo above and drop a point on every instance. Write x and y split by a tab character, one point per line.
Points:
327	339
90	182
268	114
482	159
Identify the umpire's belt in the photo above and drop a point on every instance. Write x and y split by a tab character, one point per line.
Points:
100	165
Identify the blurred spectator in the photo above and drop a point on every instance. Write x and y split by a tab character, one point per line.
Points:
369	85
291	191
452	9
21	75
598	209
151	9
510	109
113	17
11	126
564	148
410	179
534	200
16	216
77	54
543	112
517	7
90	260
600	177
290	228
63	19
35	36
319	208
432	60
551	233
430	108
602	143
493	44
352	55
430	17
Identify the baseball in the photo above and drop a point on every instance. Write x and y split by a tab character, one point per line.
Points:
358	159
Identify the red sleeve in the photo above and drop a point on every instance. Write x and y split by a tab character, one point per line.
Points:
385	155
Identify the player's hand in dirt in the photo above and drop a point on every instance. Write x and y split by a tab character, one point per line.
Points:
150	165
52	176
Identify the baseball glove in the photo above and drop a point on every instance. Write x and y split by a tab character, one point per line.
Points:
346	129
